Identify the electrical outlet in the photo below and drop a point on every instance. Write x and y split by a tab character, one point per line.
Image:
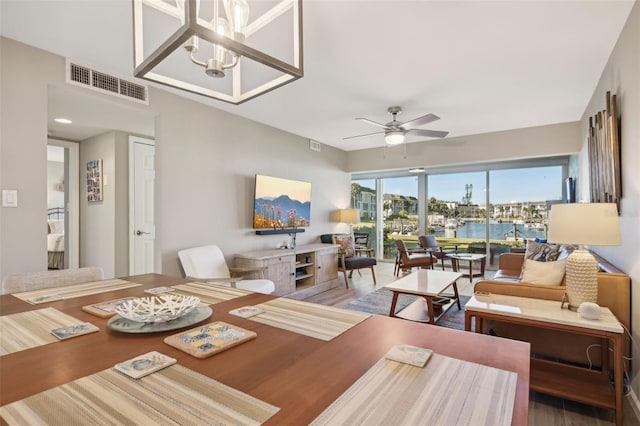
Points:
314	145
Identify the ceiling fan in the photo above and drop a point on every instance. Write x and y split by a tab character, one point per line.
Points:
394	131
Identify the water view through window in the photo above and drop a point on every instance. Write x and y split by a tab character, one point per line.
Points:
489	211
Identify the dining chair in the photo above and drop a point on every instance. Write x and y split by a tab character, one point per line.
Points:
28	281
409	259
440	252
207	264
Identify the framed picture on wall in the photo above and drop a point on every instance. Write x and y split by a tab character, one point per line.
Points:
94	181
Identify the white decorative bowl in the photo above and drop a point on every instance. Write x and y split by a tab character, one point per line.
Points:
160	308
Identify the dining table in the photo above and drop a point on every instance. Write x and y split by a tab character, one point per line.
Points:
299	374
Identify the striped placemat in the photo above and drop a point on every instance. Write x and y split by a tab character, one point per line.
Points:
174	395
209	294
77	290
30	329
310	319
447	391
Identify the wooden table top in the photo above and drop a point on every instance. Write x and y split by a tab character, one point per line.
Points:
299	374
542	310
467	256
427	282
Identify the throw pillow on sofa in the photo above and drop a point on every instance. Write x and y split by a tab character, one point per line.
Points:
542	252
347	244
547	273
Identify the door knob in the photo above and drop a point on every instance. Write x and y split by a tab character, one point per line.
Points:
139	232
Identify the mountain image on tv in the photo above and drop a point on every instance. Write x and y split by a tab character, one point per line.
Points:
281	203
281	212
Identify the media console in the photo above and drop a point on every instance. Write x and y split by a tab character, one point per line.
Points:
300	272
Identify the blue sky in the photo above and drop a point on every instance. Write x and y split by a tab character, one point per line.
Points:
531	184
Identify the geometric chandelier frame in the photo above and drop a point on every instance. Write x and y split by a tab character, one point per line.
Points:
192	25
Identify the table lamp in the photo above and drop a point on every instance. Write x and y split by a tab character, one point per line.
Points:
349	216
592	224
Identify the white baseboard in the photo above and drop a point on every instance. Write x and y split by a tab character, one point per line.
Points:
635	403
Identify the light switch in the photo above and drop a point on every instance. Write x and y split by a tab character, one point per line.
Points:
9	198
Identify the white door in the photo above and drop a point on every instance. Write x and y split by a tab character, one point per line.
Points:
142	230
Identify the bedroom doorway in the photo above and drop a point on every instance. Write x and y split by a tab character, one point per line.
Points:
63	214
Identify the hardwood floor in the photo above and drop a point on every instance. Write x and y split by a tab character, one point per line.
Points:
544	410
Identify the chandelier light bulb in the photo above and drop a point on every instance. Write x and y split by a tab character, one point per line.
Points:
238	13
222	28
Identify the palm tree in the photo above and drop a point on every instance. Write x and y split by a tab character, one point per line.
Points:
356	190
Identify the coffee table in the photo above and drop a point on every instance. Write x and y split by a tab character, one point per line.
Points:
470	257
430	284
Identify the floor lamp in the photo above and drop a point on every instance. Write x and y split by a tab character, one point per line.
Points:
593	224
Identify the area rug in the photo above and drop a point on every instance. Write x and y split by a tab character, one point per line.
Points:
379	302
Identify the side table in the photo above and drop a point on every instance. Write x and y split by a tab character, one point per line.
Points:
553	378
469	257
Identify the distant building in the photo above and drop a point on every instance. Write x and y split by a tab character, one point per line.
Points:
365	201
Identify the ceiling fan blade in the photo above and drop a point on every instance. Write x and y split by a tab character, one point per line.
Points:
428	133
359	136
384	126
425	119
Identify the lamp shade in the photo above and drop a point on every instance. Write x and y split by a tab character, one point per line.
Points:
590	223
348	215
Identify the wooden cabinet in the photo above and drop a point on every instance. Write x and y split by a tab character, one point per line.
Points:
299	273
327	265
280	271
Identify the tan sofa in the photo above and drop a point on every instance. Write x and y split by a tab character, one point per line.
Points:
614	292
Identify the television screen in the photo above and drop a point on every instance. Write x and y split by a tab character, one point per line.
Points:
281	203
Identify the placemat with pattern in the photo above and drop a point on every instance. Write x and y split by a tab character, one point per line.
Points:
30	329
77	290
174	395
447	391
209	294
310	319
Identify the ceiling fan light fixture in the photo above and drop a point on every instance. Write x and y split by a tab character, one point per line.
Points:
394	137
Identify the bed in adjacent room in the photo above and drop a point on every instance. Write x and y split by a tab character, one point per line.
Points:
55	238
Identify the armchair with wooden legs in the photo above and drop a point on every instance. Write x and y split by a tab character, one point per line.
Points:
429	243
409	258
351	258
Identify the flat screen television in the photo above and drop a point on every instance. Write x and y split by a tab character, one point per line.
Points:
281	203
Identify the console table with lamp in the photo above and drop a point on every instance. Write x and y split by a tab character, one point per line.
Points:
593	224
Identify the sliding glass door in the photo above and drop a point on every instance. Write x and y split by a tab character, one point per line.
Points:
492	209
399	213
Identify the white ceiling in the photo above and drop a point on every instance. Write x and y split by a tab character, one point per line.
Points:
482	66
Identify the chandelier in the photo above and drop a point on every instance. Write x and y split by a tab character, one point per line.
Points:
212	48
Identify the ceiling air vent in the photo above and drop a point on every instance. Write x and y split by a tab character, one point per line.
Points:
106	83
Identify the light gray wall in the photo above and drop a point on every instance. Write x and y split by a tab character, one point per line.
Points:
97	219
120	182
621	76
23	153
532	142
206	164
